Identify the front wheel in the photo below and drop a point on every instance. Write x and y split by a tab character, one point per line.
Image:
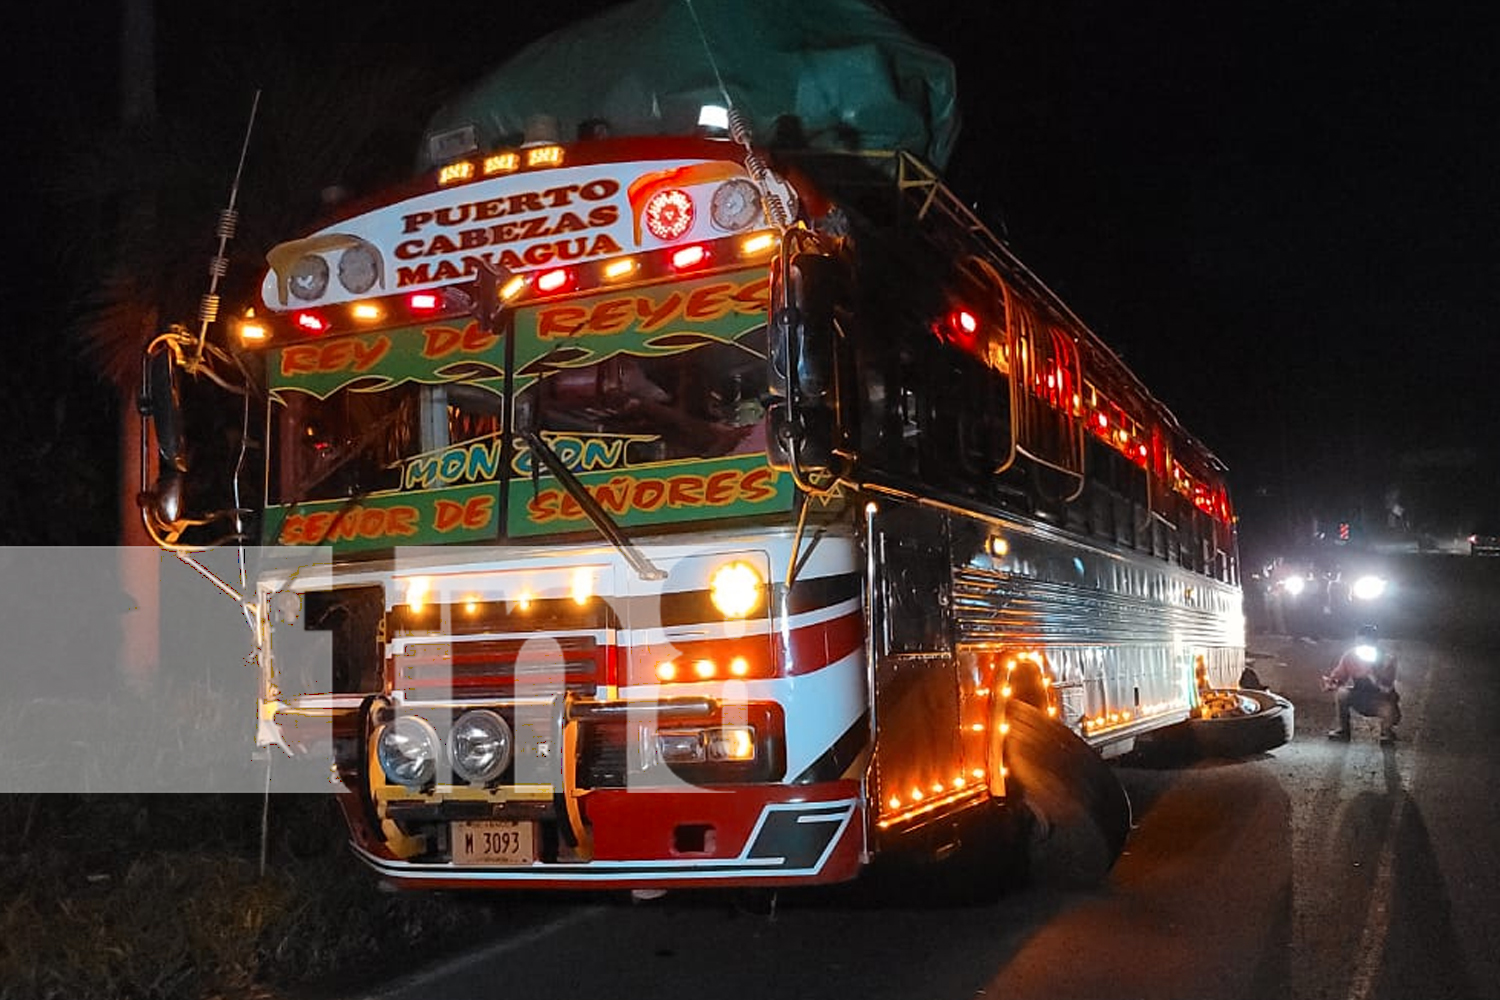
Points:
1078	813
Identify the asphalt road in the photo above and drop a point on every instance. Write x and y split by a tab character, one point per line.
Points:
1322	870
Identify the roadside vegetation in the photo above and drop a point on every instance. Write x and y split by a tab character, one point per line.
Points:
160	897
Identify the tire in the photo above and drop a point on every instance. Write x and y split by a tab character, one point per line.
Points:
1077	813
1262	722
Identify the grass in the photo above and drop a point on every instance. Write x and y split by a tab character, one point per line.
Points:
161	896
109	895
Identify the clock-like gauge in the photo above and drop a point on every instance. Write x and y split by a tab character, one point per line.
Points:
735	205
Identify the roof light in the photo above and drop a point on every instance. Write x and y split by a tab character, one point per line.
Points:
309	322
967	322
501	163
712	116
366	312
512	288
544	156
455	172
424	301
690	257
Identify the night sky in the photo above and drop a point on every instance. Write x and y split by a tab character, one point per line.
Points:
1285	216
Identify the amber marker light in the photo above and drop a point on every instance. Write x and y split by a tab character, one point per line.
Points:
366	312
544	156
666	671
758	244
453	173
624	267
502	163
416	592
512	288
251	330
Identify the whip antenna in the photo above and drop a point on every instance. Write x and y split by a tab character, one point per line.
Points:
208	306
776	195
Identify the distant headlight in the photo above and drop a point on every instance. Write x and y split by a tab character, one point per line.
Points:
479	747
1294	585
407	750
1368	588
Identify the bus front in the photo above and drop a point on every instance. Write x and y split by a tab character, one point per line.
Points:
524	409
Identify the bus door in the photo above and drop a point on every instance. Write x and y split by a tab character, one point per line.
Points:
918	745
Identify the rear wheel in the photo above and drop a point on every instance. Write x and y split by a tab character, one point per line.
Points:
1076	813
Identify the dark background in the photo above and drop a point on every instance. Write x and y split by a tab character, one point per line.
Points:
1283	215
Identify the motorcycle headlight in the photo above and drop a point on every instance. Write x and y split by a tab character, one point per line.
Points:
1368	588
407	750
479	746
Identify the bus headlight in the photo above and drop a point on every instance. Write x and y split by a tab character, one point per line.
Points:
479	746
407	750
736	588
1368	588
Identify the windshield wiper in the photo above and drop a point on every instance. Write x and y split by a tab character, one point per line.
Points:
597	515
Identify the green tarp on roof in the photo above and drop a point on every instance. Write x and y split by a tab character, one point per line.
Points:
843	73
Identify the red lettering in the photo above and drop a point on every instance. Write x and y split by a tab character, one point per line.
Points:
684	491
654	316
720	490
561	321
299	359
708	302
610	316
758	485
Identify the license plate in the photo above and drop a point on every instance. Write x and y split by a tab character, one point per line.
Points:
493	842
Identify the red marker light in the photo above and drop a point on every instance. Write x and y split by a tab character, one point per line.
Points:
424	301
309	322
965	321
690	257
554	281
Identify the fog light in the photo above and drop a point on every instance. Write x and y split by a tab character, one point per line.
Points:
680	748
730	743
407	750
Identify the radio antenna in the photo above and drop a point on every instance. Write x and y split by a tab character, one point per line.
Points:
208	306
776	195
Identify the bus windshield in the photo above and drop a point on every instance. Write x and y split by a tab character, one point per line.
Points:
645	395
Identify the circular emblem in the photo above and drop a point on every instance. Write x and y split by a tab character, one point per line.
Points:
669	214
735	205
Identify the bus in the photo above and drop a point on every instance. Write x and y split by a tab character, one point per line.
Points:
675	512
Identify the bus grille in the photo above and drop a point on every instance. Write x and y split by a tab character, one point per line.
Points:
534	666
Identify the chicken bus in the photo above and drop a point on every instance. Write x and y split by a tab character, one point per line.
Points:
675	512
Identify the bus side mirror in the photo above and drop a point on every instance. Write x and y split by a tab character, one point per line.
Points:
161	403
803	360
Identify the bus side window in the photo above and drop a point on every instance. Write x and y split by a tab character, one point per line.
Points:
917	586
